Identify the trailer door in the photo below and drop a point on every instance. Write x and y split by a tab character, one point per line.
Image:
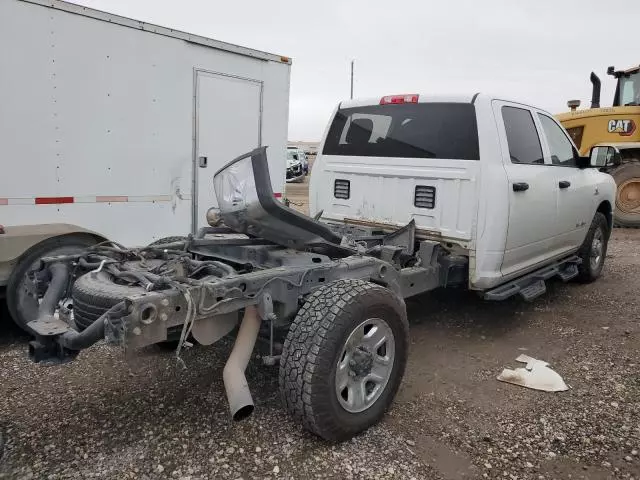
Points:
228	123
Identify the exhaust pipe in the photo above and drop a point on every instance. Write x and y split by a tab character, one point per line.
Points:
235	383
595	93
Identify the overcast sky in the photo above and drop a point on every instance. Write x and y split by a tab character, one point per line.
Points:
540	52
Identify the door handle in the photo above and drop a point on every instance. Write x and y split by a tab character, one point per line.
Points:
520	186
564	184
202	162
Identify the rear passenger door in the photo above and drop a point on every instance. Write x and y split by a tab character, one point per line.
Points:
573	186
532	191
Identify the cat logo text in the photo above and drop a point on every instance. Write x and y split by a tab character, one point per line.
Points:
622	127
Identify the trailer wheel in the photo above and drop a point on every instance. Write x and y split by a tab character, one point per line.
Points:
22	295
627	212
344	358
594	250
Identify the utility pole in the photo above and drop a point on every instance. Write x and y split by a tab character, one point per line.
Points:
352	79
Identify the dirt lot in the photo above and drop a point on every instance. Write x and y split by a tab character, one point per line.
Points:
104	417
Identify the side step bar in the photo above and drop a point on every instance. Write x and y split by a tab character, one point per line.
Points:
533	284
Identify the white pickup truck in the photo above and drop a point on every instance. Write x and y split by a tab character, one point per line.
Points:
497	182
409	194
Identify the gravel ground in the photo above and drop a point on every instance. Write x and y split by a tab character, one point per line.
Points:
104	416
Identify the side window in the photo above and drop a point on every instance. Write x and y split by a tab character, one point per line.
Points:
522	136
561	149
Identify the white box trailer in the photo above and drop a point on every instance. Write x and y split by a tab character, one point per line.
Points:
112	128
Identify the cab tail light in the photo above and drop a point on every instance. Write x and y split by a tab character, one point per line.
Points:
398	99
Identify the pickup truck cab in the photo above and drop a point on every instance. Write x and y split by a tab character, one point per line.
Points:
499	182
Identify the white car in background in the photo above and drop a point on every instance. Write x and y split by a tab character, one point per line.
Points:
295	169
300	155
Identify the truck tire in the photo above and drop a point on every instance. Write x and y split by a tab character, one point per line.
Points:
627	212
22	306
344	358
94	294
594	249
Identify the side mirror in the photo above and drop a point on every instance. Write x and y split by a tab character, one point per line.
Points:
603	156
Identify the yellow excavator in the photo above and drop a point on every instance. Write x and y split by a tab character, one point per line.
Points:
617	126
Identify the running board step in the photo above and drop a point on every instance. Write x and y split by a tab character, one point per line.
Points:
533	285
534	290
569	272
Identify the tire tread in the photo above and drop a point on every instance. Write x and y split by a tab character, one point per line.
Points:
585	275
303	370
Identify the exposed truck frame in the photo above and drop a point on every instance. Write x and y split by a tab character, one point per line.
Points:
337	294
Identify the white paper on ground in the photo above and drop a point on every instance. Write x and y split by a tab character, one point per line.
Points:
536	374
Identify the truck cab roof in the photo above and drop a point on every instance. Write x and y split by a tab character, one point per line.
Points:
469	97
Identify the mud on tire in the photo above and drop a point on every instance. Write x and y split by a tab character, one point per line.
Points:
314	347
589	270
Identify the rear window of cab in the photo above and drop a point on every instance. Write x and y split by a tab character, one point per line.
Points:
410	130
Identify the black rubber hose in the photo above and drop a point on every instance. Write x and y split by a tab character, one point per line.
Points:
226	269
210	269
139	277
74	340
57	286
148	276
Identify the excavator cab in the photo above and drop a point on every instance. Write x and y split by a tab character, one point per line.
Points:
628	87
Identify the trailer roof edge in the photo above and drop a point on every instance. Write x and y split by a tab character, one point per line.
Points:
157	29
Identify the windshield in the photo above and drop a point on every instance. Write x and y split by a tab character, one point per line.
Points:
630	89
412	130
292	155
